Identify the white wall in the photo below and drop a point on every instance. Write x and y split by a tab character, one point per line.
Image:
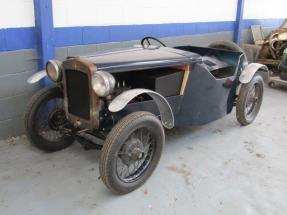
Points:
265	9
127	12
16	13
20	13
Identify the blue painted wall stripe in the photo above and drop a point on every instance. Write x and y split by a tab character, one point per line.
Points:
104	34
263	22
25	38
17	38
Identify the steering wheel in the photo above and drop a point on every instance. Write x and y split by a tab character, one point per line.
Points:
147	39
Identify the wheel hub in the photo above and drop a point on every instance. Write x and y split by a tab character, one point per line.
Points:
137	154
57	118
132	151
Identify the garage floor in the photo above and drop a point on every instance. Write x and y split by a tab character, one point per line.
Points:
220	168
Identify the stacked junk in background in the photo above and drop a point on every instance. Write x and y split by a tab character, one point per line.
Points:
271	51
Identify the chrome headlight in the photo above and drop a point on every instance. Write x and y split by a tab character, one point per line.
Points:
54	70
103	83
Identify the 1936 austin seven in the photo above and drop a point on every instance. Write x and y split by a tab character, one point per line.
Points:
120	102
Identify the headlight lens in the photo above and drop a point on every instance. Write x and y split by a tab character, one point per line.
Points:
103	83
54	70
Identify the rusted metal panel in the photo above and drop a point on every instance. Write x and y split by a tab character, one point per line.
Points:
88	68
274	45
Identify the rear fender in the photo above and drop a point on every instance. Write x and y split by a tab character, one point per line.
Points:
250	70
121	101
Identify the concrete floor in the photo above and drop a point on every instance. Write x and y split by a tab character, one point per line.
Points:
220	168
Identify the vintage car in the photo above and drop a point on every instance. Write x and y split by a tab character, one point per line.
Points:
120	102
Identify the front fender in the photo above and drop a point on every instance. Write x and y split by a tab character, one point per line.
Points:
37	77
250	70
120	102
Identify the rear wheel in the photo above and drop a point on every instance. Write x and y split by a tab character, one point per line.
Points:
249	100
283	75
44	119
131	152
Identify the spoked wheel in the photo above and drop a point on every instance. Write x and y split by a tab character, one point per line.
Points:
45	121
249	100
135	154
131	152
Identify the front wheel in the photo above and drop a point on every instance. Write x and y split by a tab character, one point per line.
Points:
131	152
44	120
249	100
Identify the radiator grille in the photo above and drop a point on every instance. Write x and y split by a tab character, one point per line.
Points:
78	93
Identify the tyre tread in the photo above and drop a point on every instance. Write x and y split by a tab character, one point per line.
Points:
111	140
37	97
240	114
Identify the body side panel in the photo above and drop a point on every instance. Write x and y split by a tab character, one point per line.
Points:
206	98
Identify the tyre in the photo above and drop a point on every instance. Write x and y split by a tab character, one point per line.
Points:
43	119
131	152
228	45
283	75
249	100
